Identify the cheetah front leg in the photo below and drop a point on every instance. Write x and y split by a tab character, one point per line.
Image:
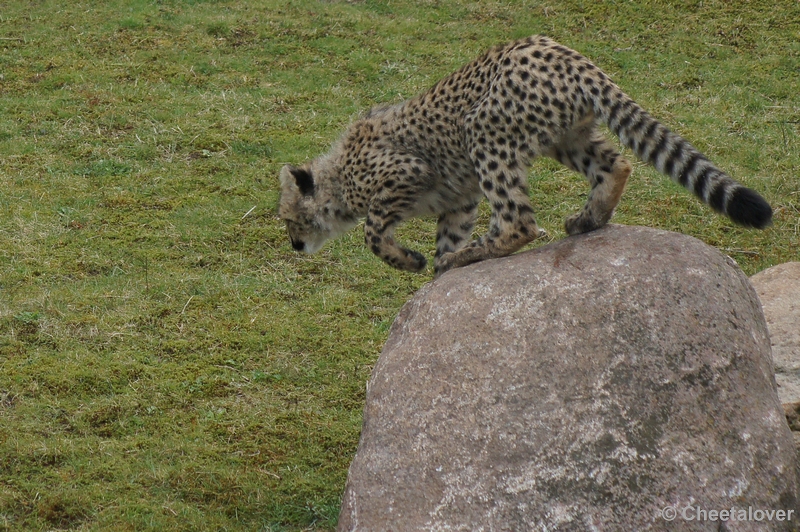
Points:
512	223
382	219
454	229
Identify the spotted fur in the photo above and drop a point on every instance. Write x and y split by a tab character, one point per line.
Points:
473	135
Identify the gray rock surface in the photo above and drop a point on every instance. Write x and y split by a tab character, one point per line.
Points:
584	385
779	290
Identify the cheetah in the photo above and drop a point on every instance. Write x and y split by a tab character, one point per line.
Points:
473	136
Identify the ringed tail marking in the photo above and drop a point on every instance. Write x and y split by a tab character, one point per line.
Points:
675	157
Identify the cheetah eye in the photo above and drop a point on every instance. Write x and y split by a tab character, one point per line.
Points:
295	227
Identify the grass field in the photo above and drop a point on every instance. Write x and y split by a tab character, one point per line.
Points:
167	362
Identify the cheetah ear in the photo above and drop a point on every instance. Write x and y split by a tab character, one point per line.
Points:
297	177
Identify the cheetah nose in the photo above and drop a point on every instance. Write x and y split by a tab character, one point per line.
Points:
298	245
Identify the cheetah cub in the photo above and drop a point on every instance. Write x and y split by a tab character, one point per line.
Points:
473	135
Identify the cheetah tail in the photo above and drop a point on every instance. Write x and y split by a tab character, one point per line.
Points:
672	155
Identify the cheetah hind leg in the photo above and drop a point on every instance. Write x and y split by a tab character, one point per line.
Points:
607	172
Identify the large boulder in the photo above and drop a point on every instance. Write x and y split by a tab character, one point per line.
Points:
585	385
779	290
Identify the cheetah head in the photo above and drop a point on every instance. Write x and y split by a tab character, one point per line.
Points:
309	210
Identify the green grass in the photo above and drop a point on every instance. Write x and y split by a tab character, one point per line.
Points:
167	362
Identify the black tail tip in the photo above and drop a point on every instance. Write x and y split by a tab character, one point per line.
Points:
747	208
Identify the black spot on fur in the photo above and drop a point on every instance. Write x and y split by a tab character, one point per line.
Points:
612	113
